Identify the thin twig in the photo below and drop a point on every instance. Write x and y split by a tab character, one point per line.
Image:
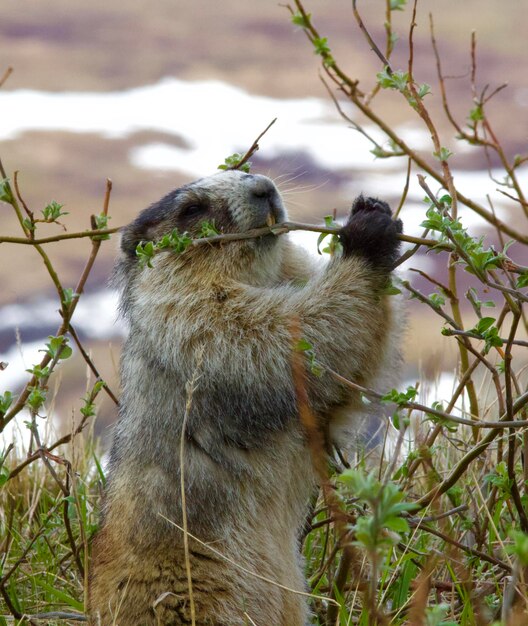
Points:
91	364
501	424
61	237
68	312
5	76
190	389
468	550
252	149
371	41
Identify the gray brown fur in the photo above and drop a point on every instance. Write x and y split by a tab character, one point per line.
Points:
248	476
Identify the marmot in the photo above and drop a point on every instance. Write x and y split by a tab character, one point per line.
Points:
221	314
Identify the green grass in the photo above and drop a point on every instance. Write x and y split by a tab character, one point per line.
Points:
450	569
45	535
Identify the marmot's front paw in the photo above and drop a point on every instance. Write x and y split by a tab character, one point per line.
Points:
371	232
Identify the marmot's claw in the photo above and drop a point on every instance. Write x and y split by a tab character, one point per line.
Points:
369	204
371	232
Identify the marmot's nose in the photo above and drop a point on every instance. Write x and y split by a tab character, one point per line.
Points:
262	187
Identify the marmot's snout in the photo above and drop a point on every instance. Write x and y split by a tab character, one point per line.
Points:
264	200
262	187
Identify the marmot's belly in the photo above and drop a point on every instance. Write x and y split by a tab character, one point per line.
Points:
152	589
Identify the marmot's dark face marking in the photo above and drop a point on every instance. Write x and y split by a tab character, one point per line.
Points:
232	200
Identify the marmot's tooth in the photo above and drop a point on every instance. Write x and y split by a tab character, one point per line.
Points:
270	220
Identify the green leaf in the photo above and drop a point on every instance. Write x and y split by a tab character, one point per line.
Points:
437	300
4	475
437	419
378	152
145	253
179	243
101	223
522	281
174	241
36	398
53	211
485	330
29	224
330	222
400	80
396	80
88	410
334	246
492	339
320	240
476	114
397	5
321	46
423	90
519	547
6	195
5	402
400	398
100	470
303	345
39	372
207	229
231	163
397	524
359	483
385	79
391	289
66	352
68	295
301	20
385	500
57	347
99	385
397	420
483	324
443	154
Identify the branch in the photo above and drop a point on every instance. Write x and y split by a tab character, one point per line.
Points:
67	311
61	237
477	450
415	406
371	41
253	148
5	76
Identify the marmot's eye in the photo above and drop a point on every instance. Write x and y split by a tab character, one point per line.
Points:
193	210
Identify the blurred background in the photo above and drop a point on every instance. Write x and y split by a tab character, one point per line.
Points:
152	95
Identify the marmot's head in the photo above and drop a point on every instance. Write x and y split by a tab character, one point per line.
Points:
233	202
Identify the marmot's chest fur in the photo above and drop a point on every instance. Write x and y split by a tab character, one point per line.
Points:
207	369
